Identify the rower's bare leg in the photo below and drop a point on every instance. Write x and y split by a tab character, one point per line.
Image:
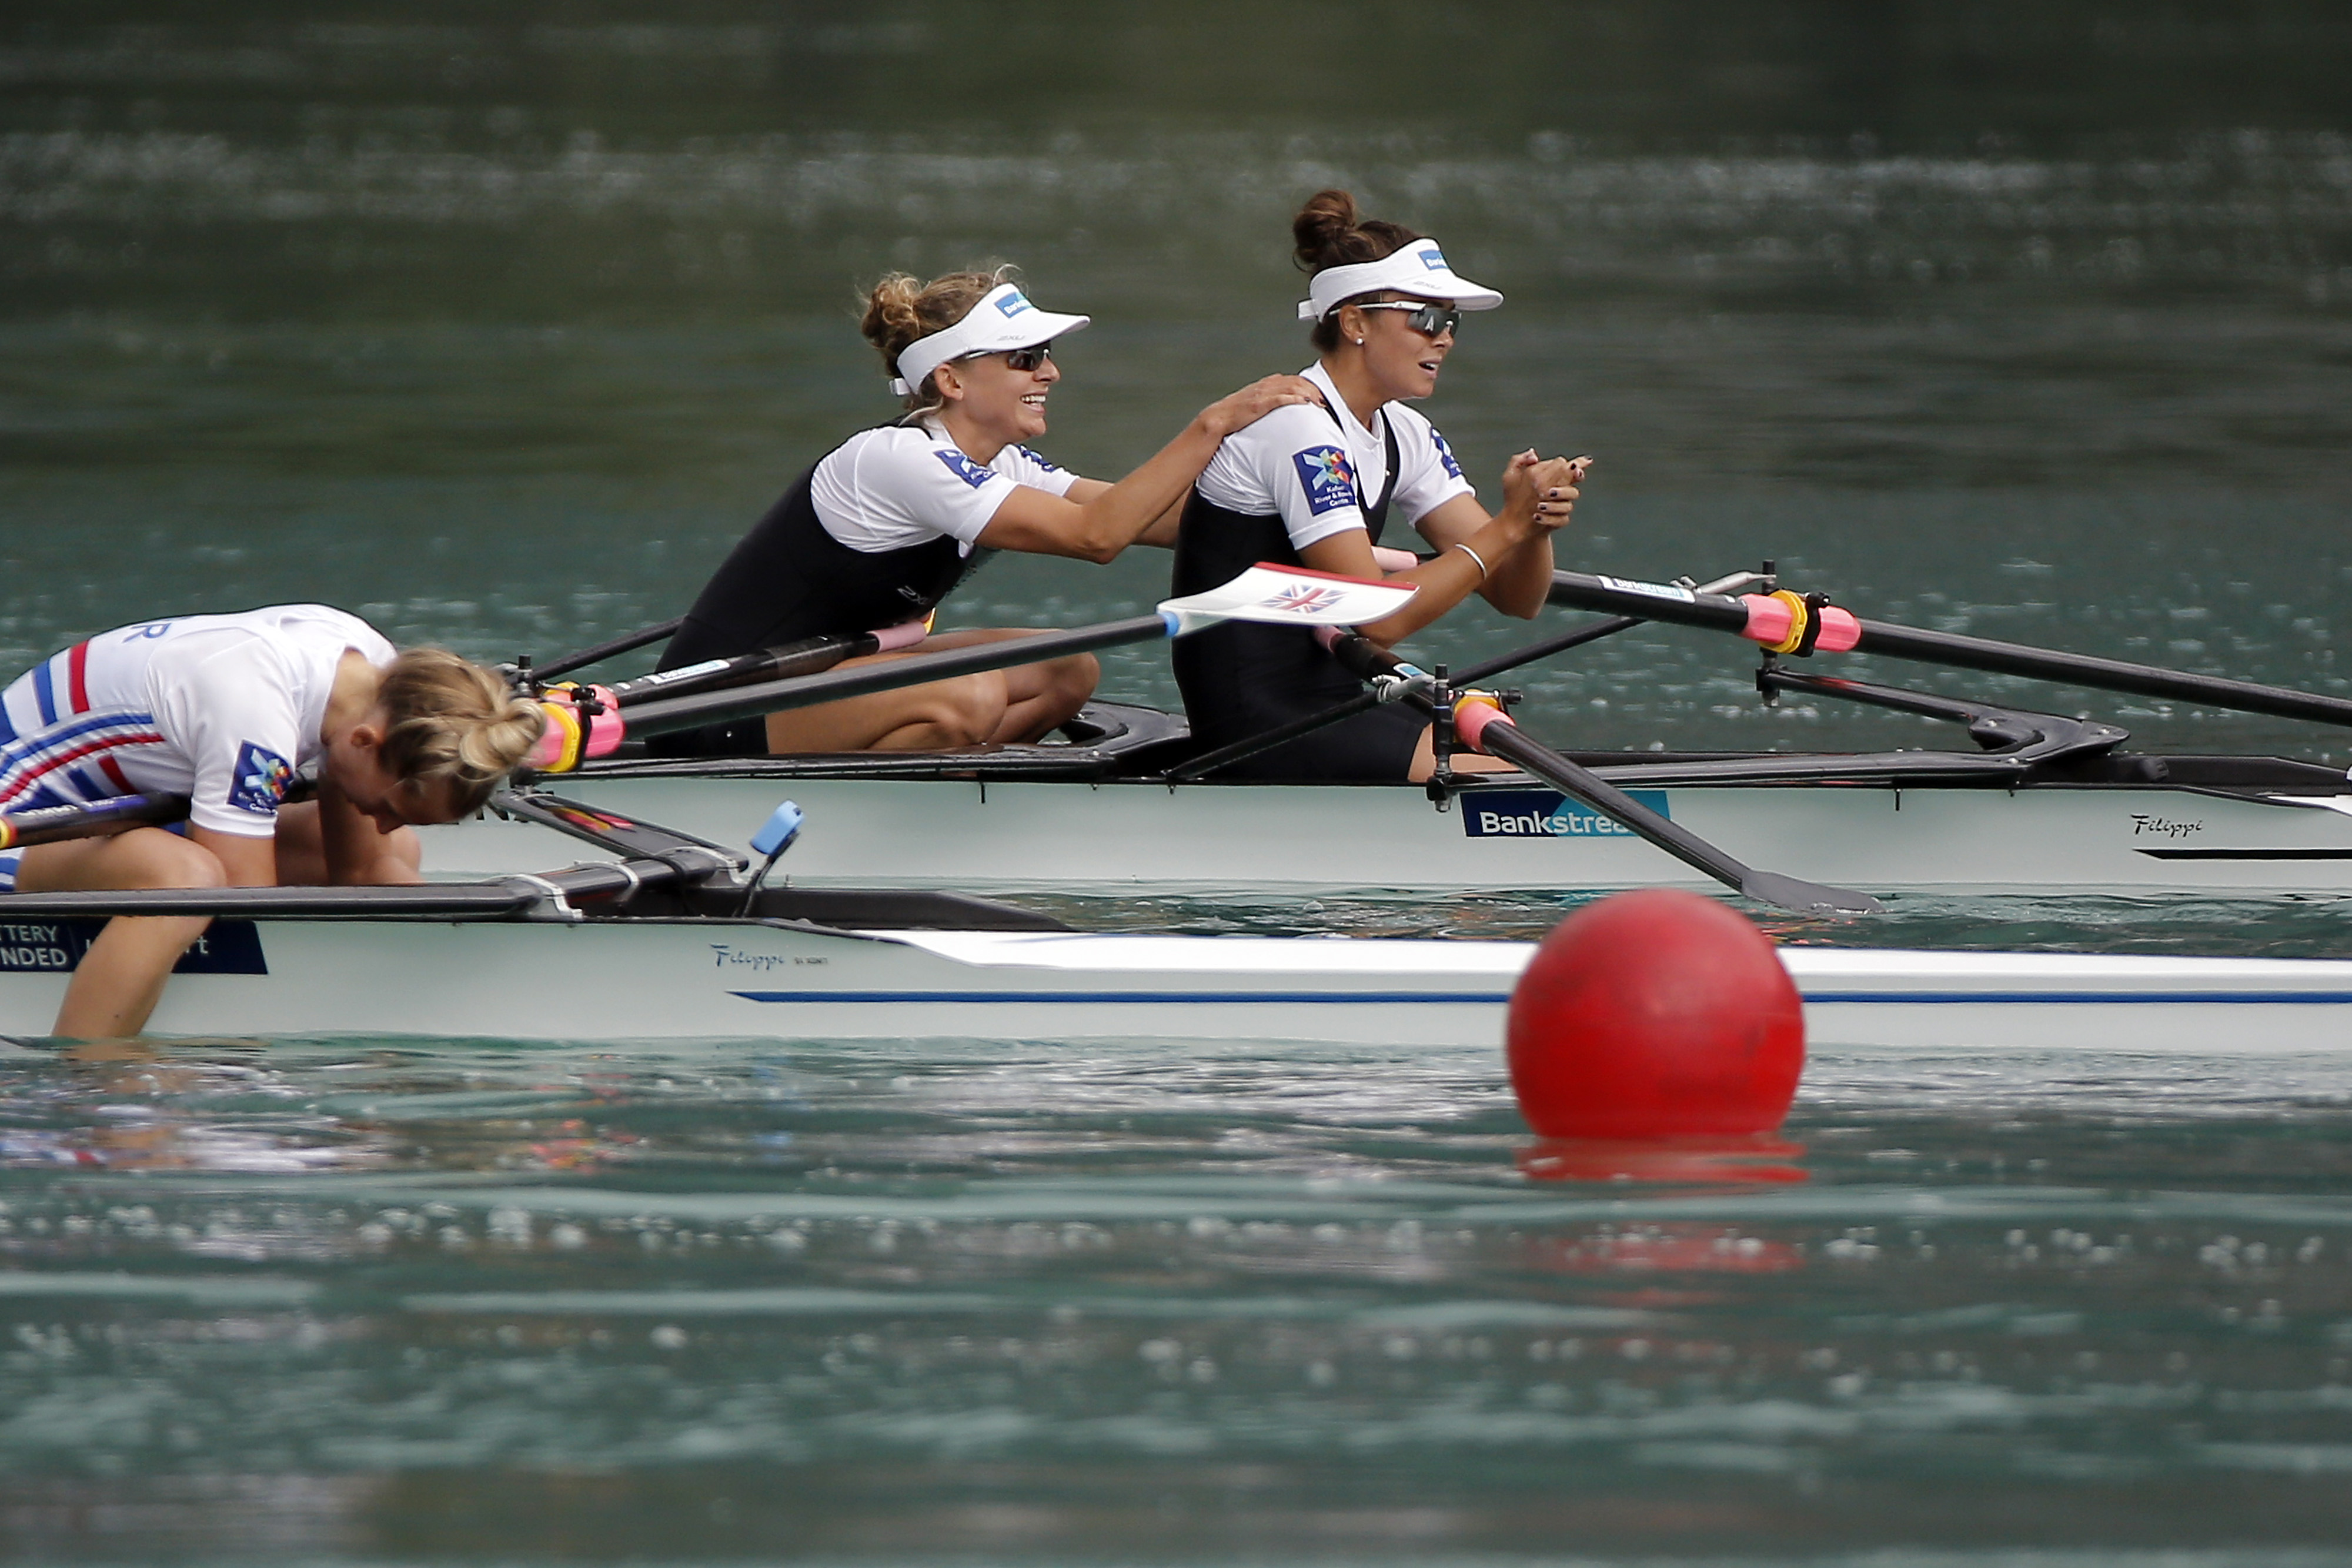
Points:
1042	698
120	978
1424	761
930	717
1024	702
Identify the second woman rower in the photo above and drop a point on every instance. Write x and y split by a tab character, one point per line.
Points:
229	710
879	530
1313	486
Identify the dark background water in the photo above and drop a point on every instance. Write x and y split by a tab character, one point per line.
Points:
500	322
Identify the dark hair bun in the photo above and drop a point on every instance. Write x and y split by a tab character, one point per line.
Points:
1329	233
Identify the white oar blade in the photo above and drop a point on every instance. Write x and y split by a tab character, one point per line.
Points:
1289	596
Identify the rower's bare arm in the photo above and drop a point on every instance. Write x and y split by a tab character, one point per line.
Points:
1518	583
1537	496
246	862
357	854
1098	527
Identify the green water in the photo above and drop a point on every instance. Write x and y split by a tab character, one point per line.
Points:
498	324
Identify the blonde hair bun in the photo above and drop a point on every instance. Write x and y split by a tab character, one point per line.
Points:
448	720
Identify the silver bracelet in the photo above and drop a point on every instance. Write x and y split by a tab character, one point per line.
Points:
1473	555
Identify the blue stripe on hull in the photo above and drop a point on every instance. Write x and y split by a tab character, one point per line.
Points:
1853	998
1099	997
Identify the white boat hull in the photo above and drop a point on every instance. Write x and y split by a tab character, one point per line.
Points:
616	980
1079	837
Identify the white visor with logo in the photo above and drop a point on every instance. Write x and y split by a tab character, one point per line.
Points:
1419	269
1003	319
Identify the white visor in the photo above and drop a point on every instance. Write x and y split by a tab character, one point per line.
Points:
1003	319
1419	269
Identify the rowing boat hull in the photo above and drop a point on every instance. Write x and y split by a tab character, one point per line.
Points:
1000	835
608	980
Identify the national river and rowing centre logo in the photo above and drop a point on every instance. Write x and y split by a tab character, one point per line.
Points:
1545	814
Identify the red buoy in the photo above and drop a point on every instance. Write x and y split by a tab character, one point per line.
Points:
1656	1014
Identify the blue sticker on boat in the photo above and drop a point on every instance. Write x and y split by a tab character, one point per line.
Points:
55	947
1546	814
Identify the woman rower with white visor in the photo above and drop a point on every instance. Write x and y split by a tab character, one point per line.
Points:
229	711
1314	485
879	530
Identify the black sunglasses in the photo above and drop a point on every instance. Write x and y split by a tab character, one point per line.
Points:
1431	321
1028	359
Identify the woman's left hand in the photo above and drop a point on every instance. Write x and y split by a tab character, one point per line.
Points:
1239	410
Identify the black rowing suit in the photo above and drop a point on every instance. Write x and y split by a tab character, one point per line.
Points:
790	578
1241	679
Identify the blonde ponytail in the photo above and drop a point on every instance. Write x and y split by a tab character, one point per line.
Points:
447	719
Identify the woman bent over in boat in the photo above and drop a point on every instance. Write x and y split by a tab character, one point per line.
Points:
1314	485
229	710
881	529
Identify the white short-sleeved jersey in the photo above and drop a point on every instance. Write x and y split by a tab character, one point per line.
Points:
225	709
886	490
1298	464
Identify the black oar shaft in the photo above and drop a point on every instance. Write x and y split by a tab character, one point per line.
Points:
2102	674
663	714
1591	631
1720	612
1501	738
1504	739
51	824
1208	762
627	643
809	656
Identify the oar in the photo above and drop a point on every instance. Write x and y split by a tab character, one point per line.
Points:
1485	727
1209	762
49	824
626	643
808	656
1281	596
1792	623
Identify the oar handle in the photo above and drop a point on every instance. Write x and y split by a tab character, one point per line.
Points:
1792	623
52	824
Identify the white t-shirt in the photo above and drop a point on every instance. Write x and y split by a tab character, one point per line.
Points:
225	709
886	490
1295	462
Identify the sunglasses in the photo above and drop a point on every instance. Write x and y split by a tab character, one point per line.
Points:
1028	359
1431	321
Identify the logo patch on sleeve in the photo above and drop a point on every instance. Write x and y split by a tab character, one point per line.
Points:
964	467
1446	456
1050	467
1326	476
260	781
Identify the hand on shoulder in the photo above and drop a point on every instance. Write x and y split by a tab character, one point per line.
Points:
1239	410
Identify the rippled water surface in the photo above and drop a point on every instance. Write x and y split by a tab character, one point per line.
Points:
499	324
991	1301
